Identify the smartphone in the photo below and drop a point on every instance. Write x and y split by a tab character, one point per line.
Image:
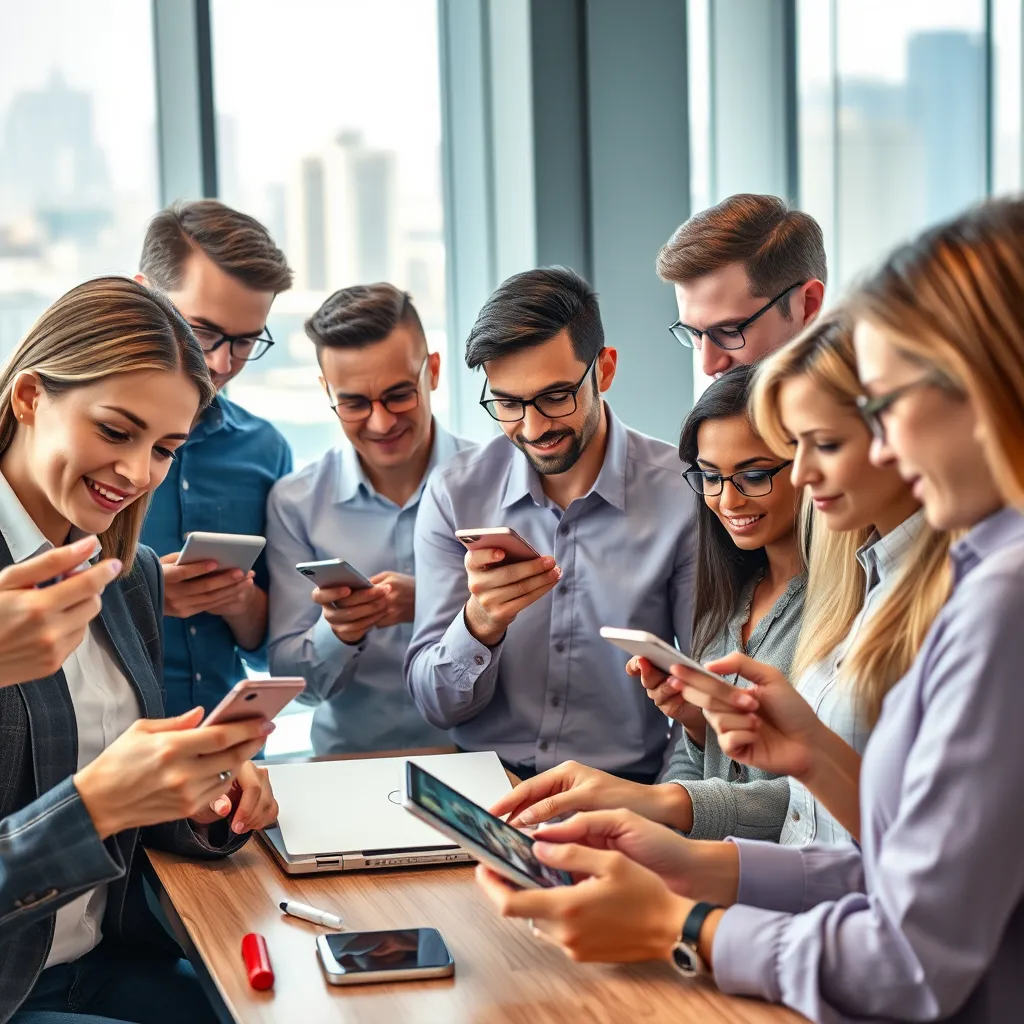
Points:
408	954
334	572
228	550
504	537
654	649
255	698
501	847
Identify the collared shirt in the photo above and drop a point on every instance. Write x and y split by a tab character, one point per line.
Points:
553	689
729	798
881	558
105	706
219	483
926	920
331	510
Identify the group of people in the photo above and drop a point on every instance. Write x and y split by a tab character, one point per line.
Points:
837	537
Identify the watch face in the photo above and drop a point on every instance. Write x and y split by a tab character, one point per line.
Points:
686	960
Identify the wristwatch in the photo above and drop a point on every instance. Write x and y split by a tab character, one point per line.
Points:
685	958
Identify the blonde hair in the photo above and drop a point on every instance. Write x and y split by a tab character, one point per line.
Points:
887	645
952	299
101	328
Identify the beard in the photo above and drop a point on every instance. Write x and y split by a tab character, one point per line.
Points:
552	465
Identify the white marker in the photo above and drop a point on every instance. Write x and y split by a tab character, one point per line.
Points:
311	914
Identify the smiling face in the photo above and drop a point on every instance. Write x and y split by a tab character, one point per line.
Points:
831	458
932	435
729	445
94	450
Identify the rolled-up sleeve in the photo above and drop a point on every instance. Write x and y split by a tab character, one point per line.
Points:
450	674
944	876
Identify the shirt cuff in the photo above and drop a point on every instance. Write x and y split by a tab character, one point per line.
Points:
771	876
744	953
714	813
467	656
327	646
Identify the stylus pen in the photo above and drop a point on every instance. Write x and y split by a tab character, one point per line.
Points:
308	913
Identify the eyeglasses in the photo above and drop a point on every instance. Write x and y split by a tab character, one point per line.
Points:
243	348
754	483
552	405
729	338
356	408
873	409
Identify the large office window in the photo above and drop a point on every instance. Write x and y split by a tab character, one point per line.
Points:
892	119
328	130
77	149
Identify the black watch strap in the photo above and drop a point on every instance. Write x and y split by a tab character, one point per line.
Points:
694	922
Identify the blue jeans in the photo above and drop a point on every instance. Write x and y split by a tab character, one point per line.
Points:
114	983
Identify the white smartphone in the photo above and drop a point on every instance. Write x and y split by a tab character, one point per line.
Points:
334	572
255	698
228	550
407	954
660	654
504	537
500	846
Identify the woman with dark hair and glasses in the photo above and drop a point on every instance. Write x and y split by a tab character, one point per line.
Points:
748	597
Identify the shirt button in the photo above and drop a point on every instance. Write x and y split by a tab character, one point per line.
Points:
192	630
543	745
555	701
563	590
479	659
560	646
796	815
199	677
184	485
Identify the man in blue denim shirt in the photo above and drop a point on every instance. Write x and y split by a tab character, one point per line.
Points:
222	271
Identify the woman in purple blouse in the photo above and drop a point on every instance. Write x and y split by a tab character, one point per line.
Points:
925	920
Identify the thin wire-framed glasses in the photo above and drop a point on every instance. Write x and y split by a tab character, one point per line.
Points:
729	337
873	409
754	483
552	405
356	408
243	348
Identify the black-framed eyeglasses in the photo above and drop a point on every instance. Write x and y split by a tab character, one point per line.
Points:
555	404
356	408
729	337
244	348
754	483
873	409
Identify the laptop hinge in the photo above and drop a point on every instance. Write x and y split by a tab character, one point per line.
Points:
402	859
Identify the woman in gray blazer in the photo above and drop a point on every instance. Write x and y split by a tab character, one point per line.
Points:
92	405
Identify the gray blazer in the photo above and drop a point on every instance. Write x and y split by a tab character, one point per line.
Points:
49	850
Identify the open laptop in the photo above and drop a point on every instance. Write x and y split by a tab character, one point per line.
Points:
348	815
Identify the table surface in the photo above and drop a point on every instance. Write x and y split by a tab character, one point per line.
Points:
502	973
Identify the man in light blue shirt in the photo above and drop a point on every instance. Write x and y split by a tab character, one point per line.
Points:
359	502
509	656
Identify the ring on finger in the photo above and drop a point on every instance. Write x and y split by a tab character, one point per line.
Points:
225	776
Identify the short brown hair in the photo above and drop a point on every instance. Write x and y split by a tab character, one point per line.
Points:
777	246
361	315
239	244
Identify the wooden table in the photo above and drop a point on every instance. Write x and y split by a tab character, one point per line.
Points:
503	975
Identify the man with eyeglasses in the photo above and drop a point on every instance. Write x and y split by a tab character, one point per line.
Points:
748	273
509	656
222	271
359	503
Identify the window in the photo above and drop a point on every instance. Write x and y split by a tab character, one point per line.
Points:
892	119
77	149
328	131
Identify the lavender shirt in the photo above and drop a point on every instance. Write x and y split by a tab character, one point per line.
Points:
926	920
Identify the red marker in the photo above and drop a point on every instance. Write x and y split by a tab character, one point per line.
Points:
257	961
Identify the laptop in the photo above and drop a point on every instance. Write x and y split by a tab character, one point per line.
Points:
348	815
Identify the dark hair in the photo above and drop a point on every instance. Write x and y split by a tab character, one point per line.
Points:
361	315
531	308
723	569
777	246
239	244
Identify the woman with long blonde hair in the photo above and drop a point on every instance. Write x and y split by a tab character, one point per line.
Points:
93	405
924	920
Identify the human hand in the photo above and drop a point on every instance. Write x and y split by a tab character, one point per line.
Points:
667	699
351	614
251	799
163	769
401	601
41	626
199	587
769	726
498	593
571	787
617	912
